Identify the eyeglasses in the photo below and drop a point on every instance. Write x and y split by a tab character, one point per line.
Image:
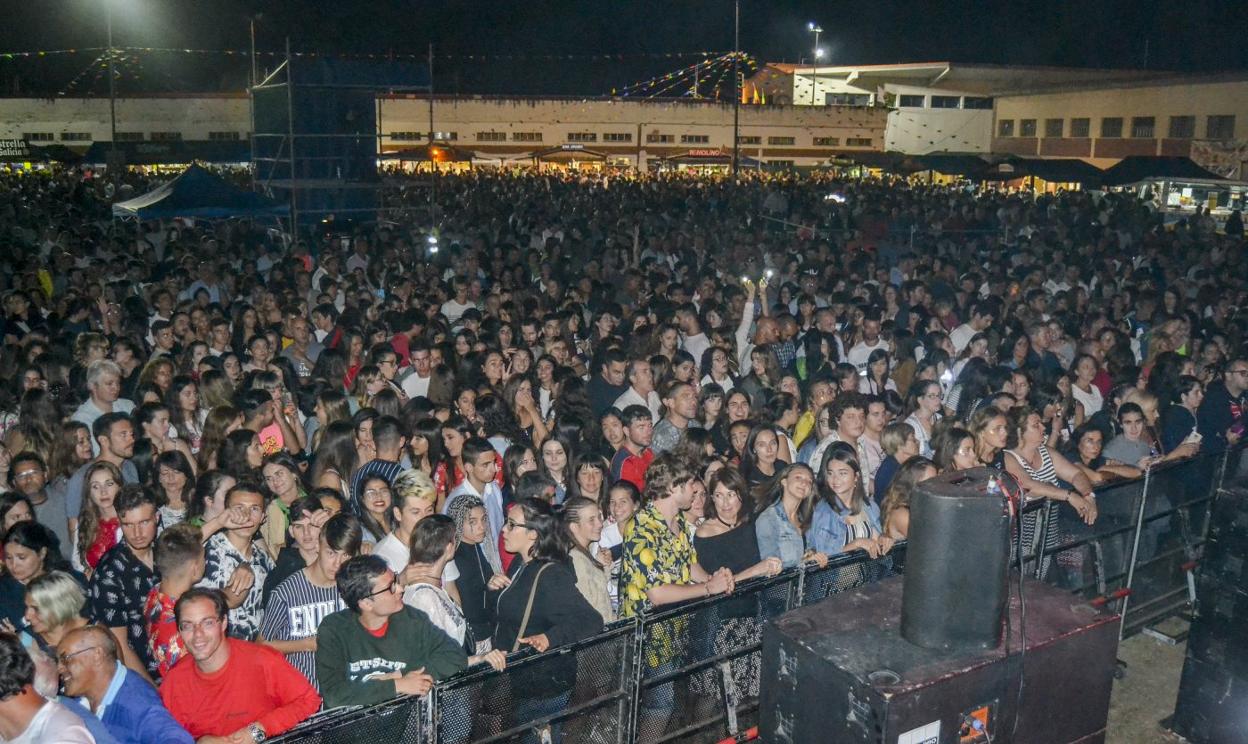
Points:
391	587
27	474
1238	372
510	524
207	625
374	492
63	659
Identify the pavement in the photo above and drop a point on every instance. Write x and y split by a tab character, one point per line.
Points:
1147	691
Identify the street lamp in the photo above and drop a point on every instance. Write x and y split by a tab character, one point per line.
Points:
112	90
815	29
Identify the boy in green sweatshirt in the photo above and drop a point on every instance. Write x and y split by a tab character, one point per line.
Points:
379	647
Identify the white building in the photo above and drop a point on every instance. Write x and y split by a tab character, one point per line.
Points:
934	106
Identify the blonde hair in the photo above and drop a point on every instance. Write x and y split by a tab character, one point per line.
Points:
414	484
58	596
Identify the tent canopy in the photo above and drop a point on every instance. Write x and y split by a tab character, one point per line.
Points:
1138	168
439	153
199	193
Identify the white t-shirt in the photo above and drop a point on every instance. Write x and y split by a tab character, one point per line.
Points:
55	723
415	386
453	310
395	554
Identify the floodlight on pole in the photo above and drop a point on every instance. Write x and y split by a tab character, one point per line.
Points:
815	29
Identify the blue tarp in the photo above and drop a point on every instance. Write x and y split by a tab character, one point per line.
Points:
199	193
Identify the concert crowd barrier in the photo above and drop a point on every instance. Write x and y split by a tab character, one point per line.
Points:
690	673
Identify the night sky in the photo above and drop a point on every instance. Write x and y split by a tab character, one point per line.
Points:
1198	35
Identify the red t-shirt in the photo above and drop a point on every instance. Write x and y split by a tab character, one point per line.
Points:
256	684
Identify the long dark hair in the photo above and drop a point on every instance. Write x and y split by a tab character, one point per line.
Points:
731	479
772	493
844	453
553	542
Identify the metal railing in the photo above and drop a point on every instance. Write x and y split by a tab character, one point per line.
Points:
1140	556
684	673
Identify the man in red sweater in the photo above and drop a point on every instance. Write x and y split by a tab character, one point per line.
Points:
231	691
631	461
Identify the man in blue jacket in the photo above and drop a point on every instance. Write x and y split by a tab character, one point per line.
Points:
127	705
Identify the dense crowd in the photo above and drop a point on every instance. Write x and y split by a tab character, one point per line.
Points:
250	480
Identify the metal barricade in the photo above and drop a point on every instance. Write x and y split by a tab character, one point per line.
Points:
698	670
1170	535
686	673
848	571
582	692
405	720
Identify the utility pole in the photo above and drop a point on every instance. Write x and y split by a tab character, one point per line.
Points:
112	91
433	166
736	87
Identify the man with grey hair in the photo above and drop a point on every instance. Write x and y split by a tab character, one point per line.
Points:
27	717
104	384
124	702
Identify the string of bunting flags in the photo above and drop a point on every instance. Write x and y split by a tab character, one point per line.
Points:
378	56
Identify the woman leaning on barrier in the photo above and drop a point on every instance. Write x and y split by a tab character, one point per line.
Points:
727	540
537	605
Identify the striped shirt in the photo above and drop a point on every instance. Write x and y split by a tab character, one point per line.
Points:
295	611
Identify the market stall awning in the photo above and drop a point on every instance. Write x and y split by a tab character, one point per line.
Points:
567	153
426	153
199	193
1136	168
173	152
1057	170
710	157
953	164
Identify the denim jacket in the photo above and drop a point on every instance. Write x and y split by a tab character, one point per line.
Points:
828	531
778	537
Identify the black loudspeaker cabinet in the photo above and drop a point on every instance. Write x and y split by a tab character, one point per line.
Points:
944	568
1212	705
839	671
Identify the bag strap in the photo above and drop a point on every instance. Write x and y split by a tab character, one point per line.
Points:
528	608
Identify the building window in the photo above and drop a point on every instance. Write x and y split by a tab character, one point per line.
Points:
38	136
75	136
1005	128
847	99
976	102
407	136
827	141
1182	127
129	136
491	136
617	137
910	101
1026	127
656	138
1054	128
526	136
945	101
1081	127
781	140
446	136
857	141
780	163
694	139
1111	126
224	136
1221	127
166	136
582	137
1142	127
749	139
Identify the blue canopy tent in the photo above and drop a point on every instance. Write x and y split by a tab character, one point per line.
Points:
199	193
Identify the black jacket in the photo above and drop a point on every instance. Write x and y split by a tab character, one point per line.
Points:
559	611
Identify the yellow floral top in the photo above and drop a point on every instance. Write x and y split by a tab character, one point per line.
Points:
653	556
